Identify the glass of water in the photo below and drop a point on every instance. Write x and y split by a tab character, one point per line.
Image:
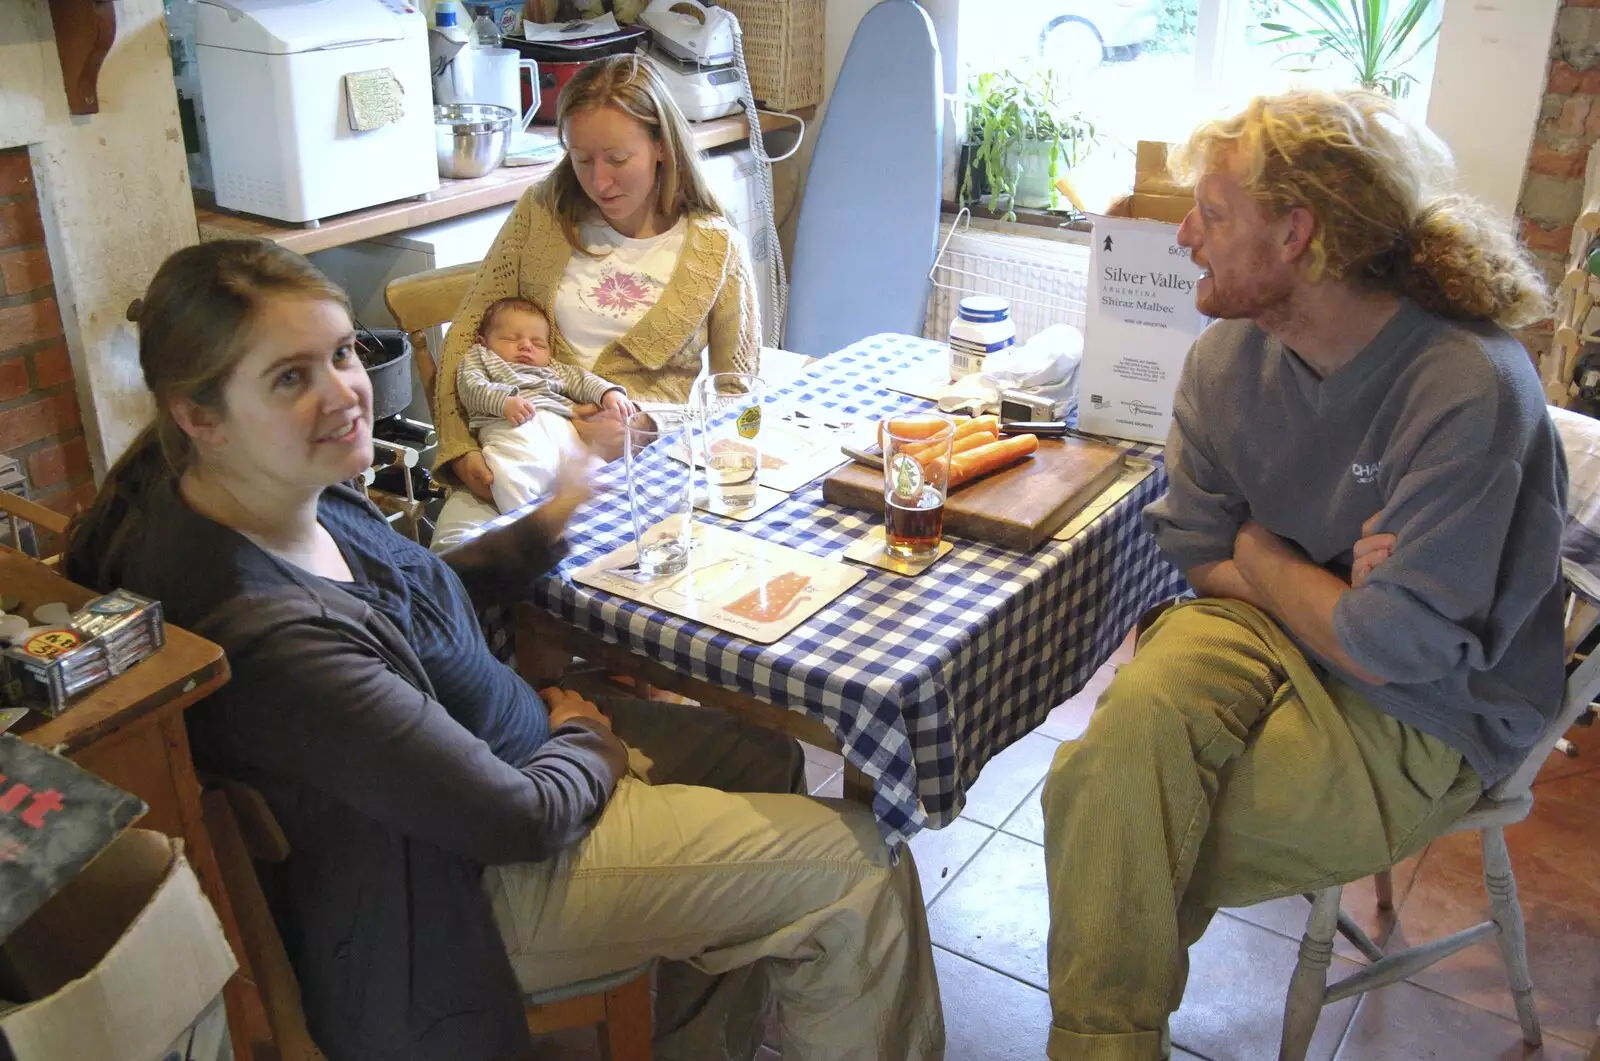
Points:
729	405
658	449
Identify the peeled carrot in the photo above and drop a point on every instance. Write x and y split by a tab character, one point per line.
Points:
991	458
973	441
986	424
965	438
924	450
910	427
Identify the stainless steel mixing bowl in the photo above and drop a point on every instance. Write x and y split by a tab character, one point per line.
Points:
471	138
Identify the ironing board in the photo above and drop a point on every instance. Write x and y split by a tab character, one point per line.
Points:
869	222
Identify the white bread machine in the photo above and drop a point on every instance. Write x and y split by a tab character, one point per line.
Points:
316	107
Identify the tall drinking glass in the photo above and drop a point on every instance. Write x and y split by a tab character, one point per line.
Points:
916	479
659	495
729	404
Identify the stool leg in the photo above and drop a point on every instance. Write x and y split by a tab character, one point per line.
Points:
1309	984
629	1025
1507	913
1383	884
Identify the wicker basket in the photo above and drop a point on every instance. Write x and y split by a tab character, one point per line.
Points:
783	45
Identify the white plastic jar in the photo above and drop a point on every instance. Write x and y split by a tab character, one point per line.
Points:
982	326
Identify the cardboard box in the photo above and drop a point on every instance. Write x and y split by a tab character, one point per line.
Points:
1156	195
55	819
123	964
1140	322
1171	209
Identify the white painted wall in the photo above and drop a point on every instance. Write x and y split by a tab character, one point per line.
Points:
114	191
1488	83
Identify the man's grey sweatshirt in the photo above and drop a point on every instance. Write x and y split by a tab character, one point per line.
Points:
1441	427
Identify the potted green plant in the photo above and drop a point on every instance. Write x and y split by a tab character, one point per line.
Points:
1363	35
1020	136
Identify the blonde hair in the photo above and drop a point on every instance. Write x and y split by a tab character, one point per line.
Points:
631	84
194	327
1377	187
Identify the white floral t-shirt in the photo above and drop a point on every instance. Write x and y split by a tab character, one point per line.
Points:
601	298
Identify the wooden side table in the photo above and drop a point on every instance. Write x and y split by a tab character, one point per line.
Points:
130	732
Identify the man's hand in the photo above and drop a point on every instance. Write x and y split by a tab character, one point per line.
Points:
617	404
584	410
474	473
1296	592
518	410
566	706
1372	550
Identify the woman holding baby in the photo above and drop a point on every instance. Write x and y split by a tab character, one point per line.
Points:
628	272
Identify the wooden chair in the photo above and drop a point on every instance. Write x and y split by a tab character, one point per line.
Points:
244	831
1506	803
17	508
428	300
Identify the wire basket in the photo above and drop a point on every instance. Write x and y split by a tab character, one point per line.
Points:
783	48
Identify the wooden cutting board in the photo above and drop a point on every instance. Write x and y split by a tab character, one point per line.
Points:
1018	508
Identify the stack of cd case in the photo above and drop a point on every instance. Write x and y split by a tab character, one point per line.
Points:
49	667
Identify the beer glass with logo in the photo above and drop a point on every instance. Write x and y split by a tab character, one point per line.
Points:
916	478
729	406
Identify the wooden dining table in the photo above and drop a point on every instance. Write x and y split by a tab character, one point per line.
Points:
130	732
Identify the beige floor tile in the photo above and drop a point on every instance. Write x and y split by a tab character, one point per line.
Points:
1007	779
996	913
941	854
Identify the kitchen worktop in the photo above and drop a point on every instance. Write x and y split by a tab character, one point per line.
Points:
453	199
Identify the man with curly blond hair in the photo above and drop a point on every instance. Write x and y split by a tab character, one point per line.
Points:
1367	494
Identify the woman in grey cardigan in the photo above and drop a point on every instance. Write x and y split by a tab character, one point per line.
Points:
457	841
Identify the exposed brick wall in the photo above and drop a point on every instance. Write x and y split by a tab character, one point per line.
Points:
39	417
1569	124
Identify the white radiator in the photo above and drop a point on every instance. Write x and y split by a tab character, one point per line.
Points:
1045	279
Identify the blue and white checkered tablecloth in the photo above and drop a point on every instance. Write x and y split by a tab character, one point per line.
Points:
922	679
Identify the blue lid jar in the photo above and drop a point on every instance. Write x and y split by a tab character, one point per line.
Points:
984	309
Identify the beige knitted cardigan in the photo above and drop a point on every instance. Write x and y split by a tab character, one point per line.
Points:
711	298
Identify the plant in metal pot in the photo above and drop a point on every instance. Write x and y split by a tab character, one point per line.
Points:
1021	134
1373	41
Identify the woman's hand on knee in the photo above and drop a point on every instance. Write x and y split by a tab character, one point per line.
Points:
474	473
566	706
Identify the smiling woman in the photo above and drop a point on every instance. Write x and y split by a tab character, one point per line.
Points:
251	359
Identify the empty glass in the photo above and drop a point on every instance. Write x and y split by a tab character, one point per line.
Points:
729	404
659	495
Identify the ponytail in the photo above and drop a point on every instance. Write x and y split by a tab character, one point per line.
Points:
1461	263
97	536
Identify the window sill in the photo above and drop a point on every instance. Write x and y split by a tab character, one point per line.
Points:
1060	225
